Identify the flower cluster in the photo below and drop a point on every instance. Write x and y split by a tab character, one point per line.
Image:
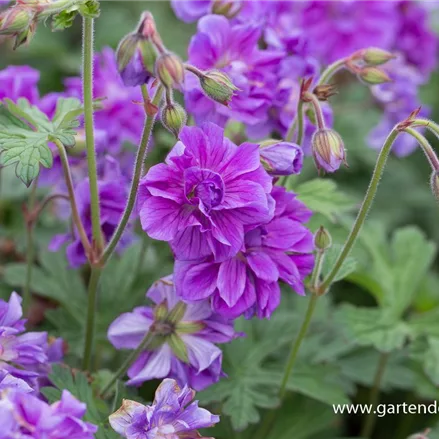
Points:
185	334
171	415
24	355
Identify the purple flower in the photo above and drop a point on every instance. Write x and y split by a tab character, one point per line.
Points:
336	29
248	283
414	32
112	194
232	49
23	415
172	415
398	98
282	158
191	10
204	195
122	118
184	346
8	381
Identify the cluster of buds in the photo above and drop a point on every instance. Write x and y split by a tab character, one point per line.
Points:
365	63
20	20
141	55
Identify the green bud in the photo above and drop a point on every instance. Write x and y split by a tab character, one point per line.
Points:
328	150
169	70
173	118
148	53
126	50
435	184
322	239
176	314
161	311
375	57
218	86
373	76
16	21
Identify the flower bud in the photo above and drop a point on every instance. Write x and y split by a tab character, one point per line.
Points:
435	184
328	150
322	239
218	86
373	76
375	57
147	27
281	158
170	70
15	20
228	8
173	118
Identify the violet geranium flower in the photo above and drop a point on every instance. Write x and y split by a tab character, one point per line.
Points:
281	249
184	346
23	415
204	195
172	415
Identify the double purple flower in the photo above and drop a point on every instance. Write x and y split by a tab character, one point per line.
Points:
281	249
172	415
183	347
205	194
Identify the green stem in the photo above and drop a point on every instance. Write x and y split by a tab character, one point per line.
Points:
298	120
364	210
120	373
91	314
296	346
30	223
331	70
73	205
369	423
140	159
317	110
315	277
426	147
88	24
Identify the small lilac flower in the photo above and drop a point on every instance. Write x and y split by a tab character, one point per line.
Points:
282	158
172	415
191	10
282	249
122	118
336	29
112	194
23	415
186	334
201	198
398	99
232	49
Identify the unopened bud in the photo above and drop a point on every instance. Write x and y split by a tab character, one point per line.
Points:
228	8
218	86
328	150
281	158
173	118
375	57
435	184
170	70
126	50
322	239
373	76
15	20
147	27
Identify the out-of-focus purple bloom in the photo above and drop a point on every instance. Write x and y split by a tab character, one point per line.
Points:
8	381
232	49
172	415
186	349
336	29
282	158
415	39
248	283
398	99
112	195
23	415
122	118
191	10
201	198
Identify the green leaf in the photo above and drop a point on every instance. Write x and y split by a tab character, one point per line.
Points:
349	264
373	327
322	196
25	132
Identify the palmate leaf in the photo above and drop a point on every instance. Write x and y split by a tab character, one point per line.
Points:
25	133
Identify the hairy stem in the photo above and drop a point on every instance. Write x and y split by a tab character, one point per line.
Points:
315	277
364	210
140	159
426	147
30	223
120	373
91	314
87	77
71	191
369	423
298	120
